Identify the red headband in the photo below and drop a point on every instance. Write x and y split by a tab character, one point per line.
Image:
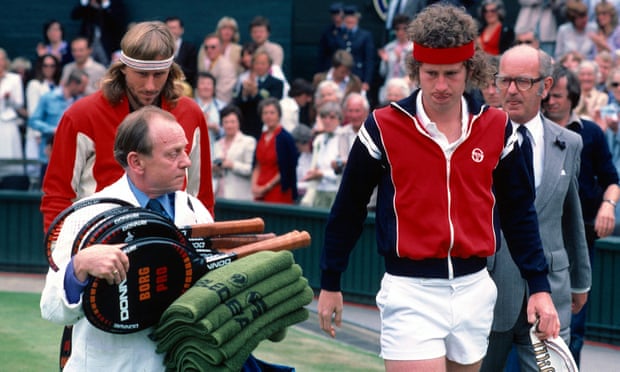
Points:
443	56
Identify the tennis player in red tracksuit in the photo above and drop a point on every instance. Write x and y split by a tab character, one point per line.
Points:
448	170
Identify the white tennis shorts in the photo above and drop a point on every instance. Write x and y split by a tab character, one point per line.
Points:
430	318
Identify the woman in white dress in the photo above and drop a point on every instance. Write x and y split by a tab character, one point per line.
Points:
11	100
233	157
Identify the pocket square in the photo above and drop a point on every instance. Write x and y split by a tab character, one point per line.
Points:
562	172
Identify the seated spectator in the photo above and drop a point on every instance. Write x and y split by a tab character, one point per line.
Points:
296	107
260	30
490	93
326	91
185	52
396	89
607	35
274	176
302	134
82	60
527	36
591	99
571	61
46	78
605	63
22	67
211	59
575	35
54	43
394	54
245	61
11	102
340	73
233	157
52	106
495	36
210	105
323	177
228	32
252	87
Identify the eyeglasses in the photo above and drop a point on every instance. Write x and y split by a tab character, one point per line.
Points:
328	115
528	42
615	84
522	83
487	10
210	46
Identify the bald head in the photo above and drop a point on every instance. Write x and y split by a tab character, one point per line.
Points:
524	79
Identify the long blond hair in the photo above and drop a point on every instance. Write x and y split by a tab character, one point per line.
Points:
146	41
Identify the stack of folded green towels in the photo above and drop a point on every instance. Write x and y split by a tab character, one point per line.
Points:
223	317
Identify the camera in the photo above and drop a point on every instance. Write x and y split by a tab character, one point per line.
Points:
339	166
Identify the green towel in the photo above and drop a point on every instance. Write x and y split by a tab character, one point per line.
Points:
258	304
233	326
166	334
193	358
218	355
219	285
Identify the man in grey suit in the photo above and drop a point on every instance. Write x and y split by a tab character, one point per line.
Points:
524	79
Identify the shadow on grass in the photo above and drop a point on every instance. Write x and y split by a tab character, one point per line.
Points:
29	343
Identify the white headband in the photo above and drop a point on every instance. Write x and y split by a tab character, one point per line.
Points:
140	64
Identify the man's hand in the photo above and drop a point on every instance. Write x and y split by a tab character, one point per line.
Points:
102	261
330	305
578	301
540	306
605	220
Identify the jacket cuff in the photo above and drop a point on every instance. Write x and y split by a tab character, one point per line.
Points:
538	283
330	280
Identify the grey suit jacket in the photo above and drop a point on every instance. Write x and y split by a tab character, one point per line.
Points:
562	233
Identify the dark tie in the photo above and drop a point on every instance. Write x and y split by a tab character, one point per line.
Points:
156	206
526	147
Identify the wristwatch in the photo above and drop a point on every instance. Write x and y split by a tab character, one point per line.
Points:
610	202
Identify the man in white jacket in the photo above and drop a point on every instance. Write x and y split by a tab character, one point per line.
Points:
150	145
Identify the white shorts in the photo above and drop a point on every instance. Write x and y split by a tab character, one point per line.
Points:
430	318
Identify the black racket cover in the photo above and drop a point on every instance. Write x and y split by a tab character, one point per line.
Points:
160	271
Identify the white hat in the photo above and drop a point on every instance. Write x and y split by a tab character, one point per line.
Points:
552	354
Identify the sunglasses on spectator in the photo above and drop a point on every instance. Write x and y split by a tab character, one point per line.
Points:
528	42
615	84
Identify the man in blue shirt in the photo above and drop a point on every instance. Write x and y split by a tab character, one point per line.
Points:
52	106
598	178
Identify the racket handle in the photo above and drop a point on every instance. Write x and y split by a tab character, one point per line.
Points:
289	241
246	226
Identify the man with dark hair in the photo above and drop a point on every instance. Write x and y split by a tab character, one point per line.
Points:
185	53
82	162
151	147
443	165
598	178
82	60
260	30
296	107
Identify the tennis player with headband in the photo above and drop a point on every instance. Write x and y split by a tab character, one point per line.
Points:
82	161
448	170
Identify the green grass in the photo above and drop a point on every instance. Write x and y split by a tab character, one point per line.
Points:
29	343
